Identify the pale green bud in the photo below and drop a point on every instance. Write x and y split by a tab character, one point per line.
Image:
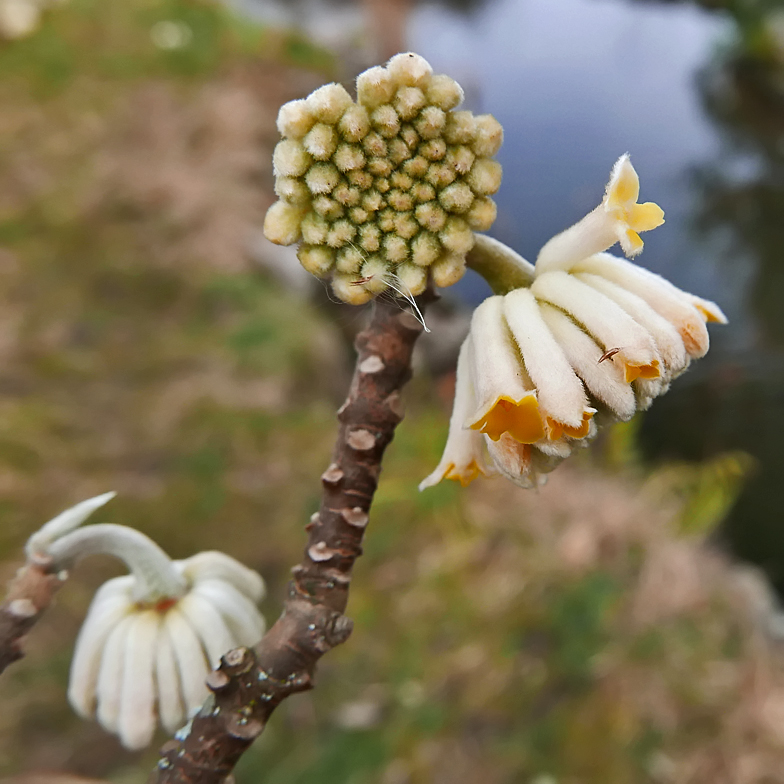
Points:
321	141
318	260
409	135
358	215
408	102
457	197
314	229
457	236
482	214
349	259
375	145
386	121
410	69
386	220
433	149
444	92
400	200
448	270
440	175
282	222
416	167
370	238
425	249
485	176
354	124
395	248
489	136
328	103
375	271
401	180
350	288
328	208
430	216
292	190
398	151
460	158
375	87
341	232
380	167
423	191
412	278
460	128
382	184
360	178
290	159
322	178
372	201
349	157
346	194
405	225
295	119
431	122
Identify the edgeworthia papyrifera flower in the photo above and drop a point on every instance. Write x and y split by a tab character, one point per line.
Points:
384	191
580	338
150	637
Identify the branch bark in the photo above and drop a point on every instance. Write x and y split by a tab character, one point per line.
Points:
249	684
29	594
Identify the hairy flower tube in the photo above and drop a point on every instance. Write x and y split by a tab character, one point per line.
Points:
584	338
150	637
386	191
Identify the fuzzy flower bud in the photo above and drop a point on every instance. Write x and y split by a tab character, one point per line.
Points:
398	175
151	637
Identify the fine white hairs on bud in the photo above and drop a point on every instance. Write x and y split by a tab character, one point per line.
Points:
399	175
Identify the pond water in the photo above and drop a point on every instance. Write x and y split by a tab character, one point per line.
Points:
576	83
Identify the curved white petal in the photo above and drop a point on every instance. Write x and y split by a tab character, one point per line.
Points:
209	625
609	324
245	622
559	392
506	400
213	564
110	675
137	719
190	658
464	454
167	679
64	522
604	380
668	341
112	603
667	300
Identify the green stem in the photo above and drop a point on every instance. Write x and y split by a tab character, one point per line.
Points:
502	268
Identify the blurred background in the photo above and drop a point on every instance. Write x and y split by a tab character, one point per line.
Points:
620	625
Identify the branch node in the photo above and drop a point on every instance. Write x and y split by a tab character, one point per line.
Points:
217	680
395	404
239	726
371	364
361	440
333	476
237	661
356	517
339	630
22	608
320	552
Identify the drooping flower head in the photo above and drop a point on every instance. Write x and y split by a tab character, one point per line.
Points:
384	191
150	637
582	337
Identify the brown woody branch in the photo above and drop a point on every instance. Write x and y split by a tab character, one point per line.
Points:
249	684
29	594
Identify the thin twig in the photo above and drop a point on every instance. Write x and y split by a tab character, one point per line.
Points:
29	594
249	684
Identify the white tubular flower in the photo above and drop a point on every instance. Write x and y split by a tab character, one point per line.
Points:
150	637
581	333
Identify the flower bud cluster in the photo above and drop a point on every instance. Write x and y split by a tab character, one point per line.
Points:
388	190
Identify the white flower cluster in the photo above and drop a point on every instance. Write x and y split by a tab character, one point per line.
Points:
151	637
388	189
590	338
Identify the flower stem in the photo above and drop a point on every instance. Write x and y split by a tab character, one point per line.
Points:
502	268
